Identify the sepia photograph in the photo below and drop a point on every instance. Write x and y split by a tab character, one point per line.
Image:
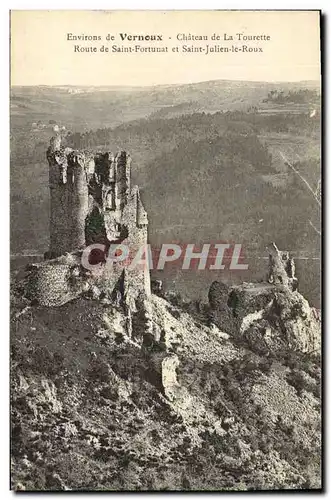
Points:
165	250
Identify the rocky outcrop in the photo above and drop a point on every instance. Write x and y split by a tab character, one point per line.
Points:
271	316
169	376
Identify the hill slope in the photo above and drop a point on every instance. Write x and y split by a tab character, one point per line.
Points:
93	409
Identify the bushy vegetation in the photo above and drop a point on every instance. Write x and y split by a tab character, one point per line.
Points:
154	132
293	96
91	415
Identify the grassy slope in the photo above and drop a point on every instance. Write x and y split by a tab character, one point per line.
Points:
88	412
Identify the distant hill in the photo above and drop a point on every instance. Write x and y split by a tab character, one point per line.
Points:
90	107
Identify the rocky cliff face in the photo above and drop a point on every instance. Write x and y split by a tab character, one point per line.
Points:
224	396
271	316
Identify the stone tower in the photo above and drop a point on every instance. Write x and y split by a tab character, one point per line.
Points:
91	202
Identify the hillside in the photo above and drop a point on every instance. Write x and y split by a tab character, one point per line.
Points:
187	407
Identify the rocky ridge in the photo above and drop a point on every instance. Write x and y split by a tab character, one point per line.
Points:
217	396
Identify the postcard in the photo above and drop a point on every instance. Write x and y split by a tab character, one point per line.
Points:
165	258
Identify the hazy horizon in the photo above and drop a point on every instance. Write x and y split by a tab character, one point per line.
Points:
317	81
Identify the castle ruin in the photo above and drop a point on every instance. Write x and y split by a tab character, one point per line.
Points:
92	202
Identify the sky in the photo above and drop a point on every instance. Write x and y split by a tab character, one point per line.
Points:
41	53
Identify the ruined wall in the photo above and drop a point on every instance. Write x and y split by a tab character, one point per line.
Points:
136	281
78	198
281	268
59	202
55	282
